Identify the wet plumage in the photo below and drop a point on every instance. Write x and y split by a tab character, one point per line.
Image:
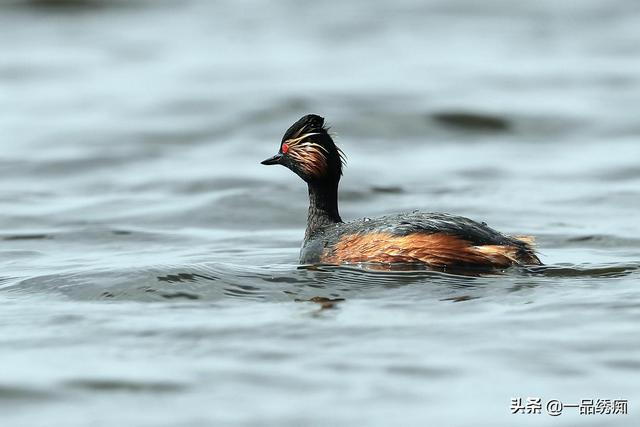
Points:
434	239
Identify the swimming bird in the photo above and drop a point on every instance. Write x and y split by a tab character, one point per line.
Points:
437	240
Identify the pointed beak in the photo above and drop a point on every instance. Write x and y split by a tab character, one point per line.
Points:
275	160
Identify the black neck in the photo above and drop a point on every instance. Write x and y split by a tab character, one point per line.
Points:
323	206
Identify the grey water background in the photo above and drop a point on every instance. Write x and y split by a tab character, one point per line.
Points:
149	263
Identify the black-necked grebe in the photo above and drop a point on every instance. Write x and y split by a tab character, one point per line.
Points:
435	239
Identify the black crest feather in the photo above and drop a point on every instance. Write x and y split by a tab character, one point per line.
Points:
307	124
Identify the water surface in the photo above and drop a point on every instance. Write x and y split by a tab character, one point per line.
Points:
149	263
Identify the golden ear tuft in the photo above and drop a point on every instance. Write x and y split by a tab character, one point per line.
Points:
312	160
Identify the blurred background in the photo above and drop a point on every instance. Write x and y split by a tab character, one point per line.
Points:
149	263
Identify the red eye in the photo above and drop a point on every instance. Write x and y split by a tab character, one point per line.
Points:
284	148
